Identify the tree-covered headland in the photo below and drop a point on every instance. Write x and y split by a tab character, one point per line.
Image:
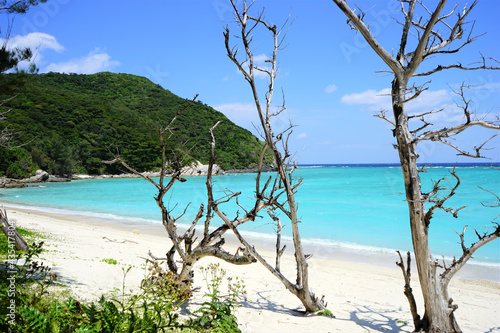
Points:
68	124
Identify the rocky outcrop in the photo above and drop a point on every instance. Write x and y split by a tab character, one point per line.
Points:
39	177
195	169
198	169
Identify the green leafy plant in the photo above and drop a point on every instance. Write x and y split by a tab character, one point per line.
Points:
325	312
154	308
24	283
217	314
161	282
110	261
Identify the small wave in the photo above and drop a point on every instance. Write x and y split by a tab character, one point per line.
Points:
84	214
351	247
264	237
348	246
310	166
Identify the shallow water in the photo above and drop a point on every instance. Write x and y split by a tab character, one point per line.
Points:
346	207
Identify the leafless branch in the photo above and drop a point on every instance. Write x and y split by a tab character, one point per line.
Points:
469	251
439	202
408	290
462	67
382	115
356	22
491	205
283	185
417	91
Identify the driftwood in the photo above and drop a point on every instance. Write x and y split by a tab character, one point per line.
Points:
116	241
11	232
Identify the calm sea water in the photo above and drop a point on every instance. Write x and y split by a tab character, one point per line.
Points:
350	206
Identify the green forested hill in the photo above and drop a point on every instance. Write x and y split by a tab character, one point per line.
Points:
72	122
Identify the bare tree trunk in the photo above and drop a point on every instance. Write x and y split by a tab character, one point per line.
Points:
284	181
439	308
11	232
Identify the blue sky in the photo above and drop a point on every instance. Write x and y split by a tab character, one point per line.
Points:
327	71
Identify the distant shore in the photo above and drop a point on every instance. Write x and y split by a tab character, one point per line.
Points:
199	169
196	169
364	297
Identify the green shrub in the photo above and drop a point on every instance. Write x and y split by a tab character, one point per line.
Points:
154	308
24	283
217	314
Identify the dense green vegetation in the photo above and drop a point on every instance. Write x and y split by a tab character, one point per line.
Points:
72	122
31	302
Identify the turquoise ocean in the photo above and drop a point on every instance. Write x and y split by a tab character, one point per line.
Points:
353	207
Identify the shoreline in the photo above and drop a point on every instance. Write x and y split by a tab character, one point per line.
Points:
364	298
319	248
194	170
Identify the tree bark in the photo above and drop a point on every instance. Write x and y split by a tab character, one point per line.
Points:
439	309
11	232
284	184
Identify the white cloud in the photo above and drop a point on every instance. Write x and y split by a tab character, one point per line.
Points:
261	58
38	42
429	100
35	41
377	100
302	136
451	114
331	88
95	61
242	114
426	102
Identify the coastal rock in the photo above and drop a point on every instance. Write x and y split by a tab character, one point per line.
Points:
198	169
39	177
10	183
195	169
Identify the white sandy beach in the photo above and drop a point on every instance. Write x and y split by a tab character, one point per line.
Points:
363	297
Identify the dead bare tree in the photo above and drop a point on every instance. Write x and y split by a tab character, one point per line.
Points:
280	195
11	232
430	41
185	244
7	135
